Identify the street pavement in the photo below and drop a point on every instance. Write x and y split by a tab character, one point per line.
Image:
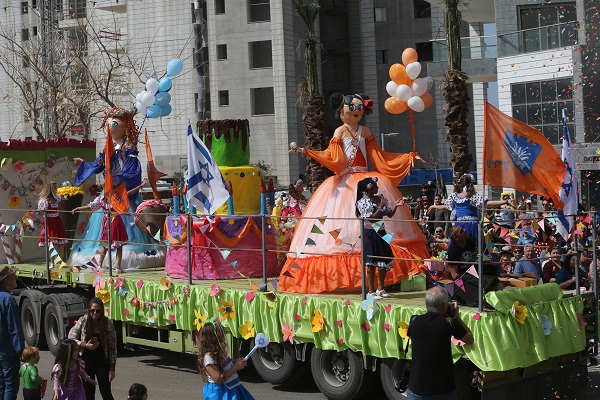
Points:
170	375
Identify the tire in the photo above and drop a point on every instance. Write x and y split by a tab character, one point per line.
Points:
31	327
338	375
275	363
389	373
53	327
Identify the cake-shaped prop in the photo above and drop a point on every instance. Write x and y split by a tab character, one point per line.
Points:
229	143
71	197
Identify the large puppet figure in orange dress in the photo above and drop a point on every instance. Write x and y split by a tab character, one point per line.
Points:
333	263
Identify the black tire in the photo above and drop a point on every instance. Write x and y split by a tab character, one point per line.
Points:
338	375
31	327
390	370
275	363
53	328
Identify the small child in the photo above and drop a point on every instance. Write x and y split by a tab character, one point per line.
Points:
137	391
68	372
32	382
48	202
218	371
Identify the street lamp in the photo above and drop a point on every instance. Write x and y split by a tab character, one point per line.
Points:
382	136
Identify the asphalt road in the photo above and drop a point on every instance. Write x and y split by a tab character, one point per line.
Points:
174	376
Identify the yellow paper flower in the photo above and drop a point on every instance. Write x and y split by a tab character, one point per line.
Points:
15	201
165	283
403	330
103	295
519	312
318	322
247	330
227	309
200	319
69	191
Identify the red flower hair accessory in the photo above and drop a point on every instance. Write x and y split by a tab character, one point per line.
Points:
368	106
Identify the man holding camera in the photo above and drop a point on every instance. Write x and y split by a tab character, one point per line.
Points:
430	334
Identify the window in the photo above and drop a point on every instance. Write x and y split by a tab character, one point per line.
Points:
24	34
540	105
422	9
381	56
223	97
425	51
33	3
260	54
24	7
219	6
259	10
380	14
263	101
548	27
221	52
193	14
34	31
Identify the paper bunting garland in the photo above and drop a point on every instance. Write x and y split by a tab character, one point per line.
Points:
310	242
388	237
473	271
315	229
322	220
376	225
335	233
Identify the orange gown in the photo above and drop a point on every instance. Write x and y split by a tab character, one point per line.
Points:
333	262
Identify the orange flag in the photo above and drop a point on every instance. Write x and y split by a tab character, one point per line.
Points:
517	156
153	174
115	196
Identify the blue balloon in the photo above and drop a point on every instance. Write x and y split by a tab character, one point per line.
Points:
166	110
154	111
162	99
165	84
174	67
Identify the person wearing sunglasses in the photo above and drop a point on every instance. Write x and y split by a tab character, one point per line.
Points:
96	336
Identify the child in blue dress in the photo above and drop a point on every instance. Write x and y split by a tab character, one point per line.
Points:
219	372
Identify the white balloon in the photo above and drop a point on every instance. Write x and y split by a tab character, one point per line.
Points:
419	87
140	107
413	70
139	96
147	99
429	81
416	104
152	85
391	88
404	92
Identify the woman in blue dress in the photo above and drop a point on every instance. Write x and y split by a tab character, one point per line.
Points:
141	251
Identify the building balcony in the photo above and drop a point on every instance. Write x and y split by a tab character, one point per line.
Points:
473	11
478	58
538	39
119	6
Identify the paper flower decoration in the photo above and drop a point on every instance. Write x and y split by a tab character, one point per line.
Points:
246	330
477	316
103	295
519	312
318	322
366	326
215	290
186	291
403	330
15	201
152	319
135	302
99	283
126	312
386	327
140	283
288	333
227	309
119	282
339	322
388	308
369	306
297	317
341	341
200	319
18	165
172	318
249	297
546	324
164	283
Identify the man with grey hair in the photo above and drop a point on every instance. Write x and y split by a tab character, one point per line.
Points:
12	342
430	334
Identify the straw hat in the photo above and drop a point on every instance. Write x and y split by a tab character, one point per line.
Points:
6	271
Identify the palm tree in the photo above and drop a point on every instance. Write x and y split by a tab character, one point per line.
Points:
455	93
309	98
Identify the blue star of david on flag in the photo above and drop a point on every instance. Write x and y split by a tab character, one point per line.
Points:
522	151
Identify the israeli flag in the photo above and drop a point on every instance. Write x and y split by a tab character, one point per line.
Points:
206	186
569	190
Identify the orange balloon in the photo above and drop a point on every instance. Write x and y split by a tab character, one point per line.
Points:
398	74
409	55
395	106
427	100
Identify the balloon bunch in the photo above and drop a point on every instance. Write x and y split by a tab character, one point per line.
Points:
154	102
406	89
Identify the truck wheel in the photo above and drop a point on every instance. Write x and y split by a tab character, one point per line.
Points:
53	328
274	363
338	375
389	372
31	327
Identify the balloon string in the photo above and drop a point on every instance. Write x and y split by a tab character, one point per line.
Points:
412	128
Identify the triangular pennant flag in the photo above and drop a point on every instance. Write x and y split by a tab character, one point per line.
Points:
489	245
450	288
298	251
377	225
295	266
62	265
503	232
274	284
51	246
53	253
233	264
225	253
157	236
459	282
485	258
287	273
473	271
310	242
388	237
322	220
315	229
335	233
